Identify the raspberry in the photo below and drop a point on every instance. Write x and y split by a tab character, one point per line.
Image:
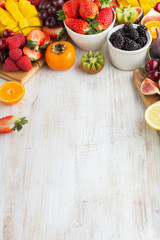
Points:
13	42
10	66
15	54
22	37
24	63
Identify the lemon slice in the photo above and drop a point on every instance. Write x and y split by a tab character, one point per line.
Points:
152	115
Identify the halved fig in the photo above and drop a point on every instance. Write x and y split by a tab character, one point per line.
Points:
148	87
152	15
140	14
92	63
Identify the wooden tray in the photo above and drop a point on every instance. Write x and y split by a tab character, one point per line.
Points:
138	77
22	76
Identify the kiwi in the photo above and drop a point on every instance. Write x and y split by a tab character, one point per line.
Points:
128	14
92	63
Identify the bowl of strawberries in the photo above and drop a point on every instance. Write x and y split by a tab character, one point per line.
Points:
88	22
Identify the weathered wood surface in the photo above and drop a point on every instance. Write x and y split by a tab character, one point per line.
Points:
86	166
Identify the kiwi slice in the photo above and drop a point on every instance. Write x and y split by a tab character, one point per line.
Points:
92	63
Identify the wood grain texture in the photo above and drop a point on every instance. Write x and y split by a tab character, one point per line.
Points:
86	166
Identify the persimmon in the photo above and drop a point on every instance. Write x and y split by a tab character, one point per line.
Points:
60	55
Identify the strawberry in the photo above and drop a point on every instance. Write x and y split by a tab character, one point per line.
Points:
11	123
22	37
53	32
33	55
105	18
24	63
78	25
15	54
10	66
88	9
106	3
47	39
70	9
13	42
35	38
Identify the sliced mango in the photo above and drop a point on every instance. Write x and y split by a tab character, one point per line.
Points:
12	8
13	26
35	21
5	17
2	28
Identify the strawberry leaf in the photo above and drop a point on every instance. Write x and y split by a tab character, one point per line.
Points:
61	15
106	3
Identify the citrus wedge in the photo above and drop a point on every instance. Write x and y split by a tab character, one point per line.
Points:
152	115
152	25
11	92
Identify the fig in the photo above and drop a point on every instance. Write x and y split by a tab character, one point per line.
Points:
140	14
155	47
92	63
152	15
148	87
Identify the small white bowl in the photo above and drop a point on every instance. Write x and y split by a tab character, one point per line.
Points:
90	42
128	60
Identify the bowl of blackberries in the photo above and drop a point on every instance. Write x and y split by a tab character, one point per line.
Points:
128	45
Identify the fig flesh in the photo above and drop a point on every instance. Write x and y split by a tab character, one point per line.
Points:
140	14
152	15
148	87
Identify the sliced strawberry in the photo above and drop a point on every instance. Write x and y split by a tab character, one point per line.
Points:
53	32
78	25
33	55
47	40
36	38
11	123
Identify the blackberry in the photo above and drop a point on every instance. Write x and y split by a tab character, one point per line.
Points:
114	35
119	42
128	27
142	41
130	45
134	35
142	30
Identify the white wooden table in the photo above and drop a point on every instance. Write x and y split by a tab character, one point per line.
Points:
86	166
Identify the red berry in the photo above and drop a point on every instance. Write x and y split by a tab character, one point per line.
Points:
22	37
15	54
24	63
13	42
151	65
10	66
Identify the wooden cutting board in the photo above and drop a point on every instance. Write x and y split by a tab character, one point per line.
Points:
138	77
22	76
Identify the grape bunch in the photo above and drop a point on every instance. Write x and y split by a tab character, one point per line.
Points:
48	12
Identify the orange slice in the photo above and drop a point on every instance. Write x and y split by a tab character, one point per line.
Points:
11	92
152	25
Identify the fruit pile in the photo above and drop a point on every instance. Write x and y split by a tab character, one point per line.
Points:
86	16
19	16
129	38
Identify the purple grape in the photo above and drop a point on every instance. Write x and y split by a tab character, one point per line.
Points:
43	14
52	10
50	22
45	5
58	4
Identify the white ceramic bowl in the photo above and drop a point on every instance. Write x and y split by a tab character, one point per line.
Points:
127	60
90	42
